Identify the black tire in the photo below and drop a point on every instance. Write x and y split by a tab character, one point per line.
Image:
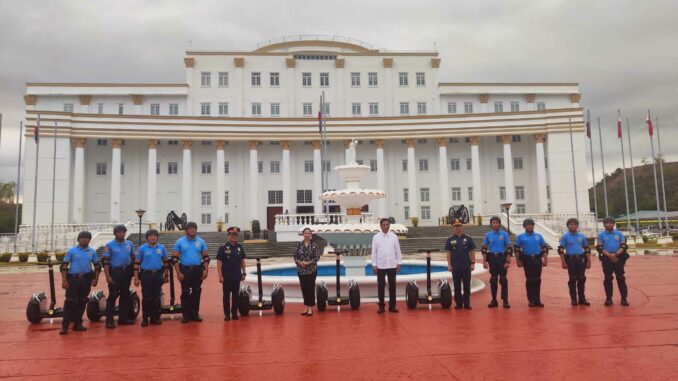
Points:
411	296
354	297
446	296
244	303
321	298
33	312
93	311
278	300
134	306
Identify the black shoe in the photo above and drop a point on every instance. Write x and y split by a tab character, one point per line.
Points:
584	302
110	324
467	307
185	320
79	327
304	313
493	304
63	330
381	310
125	322
227	318
625	302
539	304
235	317
196	318
506	304
608	301
144	322
156	321
573	302
458	307
530	304
393	309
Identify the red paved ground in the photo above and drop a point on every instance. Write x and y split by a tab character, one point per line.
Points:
558	342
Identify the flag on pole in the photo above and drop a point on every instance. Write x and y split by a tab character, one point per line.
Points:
320	122
619	128
650	127
588	126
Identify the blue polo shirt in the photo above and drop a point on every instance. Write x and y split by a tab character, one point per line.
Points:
190	250
530	243
230	256
151	257
611	240
460	247
119	253
574	243
80	259
497	241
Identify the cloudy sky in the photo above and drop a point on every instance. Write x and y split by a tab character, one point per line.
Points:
623	52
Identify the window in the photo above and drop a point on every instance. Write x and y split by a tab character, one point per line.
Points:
516	138
226	218
423	165
498	106
121	108
172	142
155	109
256	79
468	107
500	163
425	212
306	79
422	141
308	166
223	109
206	198
206	167
515	106
373	165
226	198
454	164
497	139
374	108
205	79
101	169
174	109
406	212
275	197
223	79
456	194
256	109
541	106
102	142
451	107
355	79
205	109
206	218
502	193
520	208
404	165
359	162
122	169
355	109
100	108
470	193
421	79
206	142
453	140
172	168
517	163
157	167
402	79
467	140
68	107
275	79
307	109
520	193
326	110
304	196
425	194
324	79
372	80
275	167
406	195
469	164
404	108
421	108
226	167
275	109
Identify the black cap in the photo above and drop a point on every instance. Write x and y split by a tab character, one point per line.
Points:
84	234
528	221
119	228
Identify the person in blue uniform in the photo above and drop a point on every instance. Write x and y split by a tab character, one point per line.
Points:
575	256
79	273
151	267
460	250
191	266
532	255
497	252
611	247
117	260
232	269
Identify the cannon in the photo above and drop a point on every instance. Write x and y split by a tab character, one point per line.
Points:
174	221
461	213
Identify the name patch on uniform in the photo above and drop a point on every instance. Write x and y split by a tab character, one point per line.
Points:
157	251
197	244
616	237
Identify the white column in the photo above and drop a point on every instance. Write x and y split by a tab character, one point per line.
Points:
508	171
381	179
291	87
413	193
151	188
286	177
254	175
478	203
541	174
115	180
79	181
443	174
220	188
187	180
317	178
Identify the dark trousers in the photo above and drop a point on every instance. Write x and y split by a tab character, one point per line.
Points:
498	275
381	285
576	269
532	266
610	270
231	289
77	296
462	277
122	278
191	288
151	284
307	284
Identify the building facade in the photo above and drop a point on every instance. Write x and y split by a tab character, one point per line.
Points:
238	139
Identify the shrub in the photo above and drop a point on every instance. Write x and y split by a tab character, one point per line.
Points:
675	237
645	239
415	221
480	220
256	227
42	257
23	257
5	257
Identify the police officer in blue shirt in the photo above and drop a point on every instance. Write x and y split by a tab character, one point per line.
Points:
496	252
191	266
575	255
152	262
611	247
77	279
461	259
532	254
117	260
231	268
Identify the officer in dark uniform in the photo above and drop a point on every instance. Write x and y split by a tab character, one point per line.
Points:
152	262
532	254
460	250
497	252
117	260
611	247
191	266
575	255
231	268
77	279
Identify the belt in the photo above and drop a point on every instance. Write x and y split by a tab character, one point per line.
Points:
191	267
121	267
151	271
531	256
576	256
79	275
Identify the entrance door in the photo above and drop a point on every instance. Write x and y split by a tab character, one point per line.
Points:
271	211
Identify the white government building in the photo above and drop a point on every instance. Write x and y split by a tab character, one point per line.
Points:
238	140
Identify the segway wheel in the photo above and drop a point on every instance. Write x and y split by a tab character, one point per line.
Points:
411	295
33	312
445	295
278	300
134	306
244	302
93	311
321	297
354	296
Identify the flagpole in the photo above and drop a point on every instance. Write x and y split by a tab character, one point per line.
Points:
574	173
633	176
53	188
593	171
18	188
626	190
661	171
654	170
602	162
35	182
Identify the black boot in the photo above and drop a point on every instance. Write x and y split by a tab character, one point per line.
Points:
144	322
493	304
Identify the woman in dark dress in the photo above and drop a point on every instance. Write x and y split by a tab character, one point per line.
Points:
306	257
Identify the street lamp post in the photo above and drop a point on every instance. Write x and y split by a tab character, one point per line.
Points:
507	206
140	213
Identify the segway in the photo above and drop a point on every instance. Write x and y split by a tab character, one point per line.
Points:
247	303
353	290
443	297
171	308
96	307
38	308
